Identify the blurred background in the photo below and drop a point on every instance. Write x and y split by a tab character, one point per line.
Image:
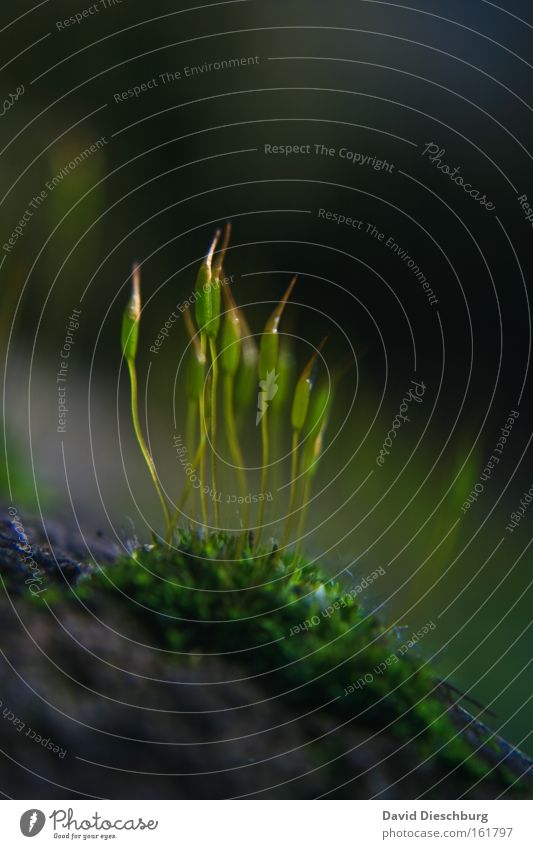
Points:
137	130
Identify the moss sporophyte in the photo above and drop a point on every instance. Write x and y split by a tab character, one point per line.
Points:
210	575
221	344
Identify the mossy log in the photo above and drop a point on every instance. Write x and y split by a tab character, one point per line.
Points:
185	672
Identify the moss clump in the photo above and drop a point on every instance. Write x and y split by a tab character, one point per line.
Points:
293	628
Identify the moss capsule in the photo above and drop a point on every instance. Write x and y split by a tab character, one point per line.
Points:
315	428
131	317
318	408
302	393
231	337
216	297
206	305
285	376
269	346
246	379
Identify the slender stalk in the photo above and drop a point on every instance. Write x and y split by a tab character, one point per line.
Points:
303	513
187	488
292	496
299	416
201	453
233	442
214	385
195	387
192	413
264	476
268	364
203	435
144	448
308	468
190	429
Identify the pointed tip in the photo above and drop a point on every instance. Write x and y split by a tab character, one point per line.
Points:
288	292
219	262
212	248
248	337
229	300
274	319
321	345
308	368
189	323
191	329
227	237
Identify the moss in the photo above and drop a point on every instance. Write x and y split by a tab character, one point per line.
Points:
293	629
287	626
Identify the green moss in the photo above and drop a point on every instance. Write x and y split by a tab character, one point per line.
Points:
271	614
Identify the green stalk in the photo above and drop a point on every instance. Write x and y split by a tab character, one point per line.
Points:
231	357
268	363
201	448
278	406
233	442
264	476
214	384
194	385
308	470
303	512
144	448
315	428
292	497
246	378
129	339
187	489
299	415
190	429
201	452
207	307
